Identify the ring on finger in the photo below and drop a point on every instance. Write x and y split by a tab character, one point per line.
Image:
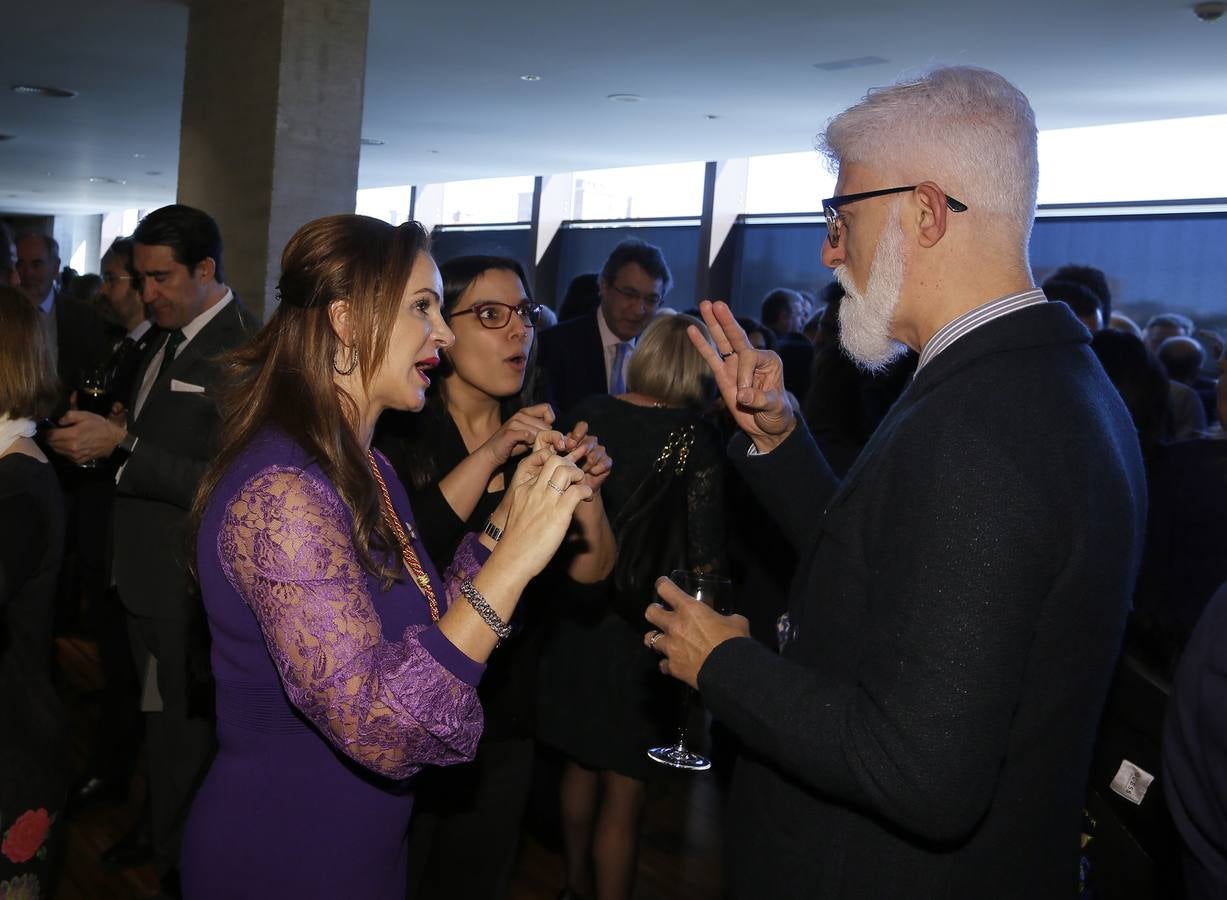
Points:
656	636
554	487
724	356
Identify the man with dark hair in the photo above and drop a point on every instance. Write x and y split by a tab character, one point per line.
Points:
1081	299
589	354
1183	357
163	444
784	313
116	746
1166	325
74	331
1093	280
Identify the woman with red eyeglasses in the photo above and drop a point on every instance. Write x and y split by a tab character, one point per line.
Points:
455	458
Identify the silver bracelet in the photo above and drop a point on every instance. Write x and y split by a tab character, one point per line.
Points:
485	610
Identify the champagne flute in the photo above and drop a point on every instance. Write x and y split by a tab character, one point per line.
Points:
716	592
94	395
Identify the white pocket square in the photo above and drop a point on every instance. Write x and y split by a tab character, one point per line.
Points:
184	387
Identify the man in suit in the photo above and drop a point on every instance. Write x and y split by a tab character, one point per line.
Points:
589	354
164	446
117	740
783	311
926	729
74	331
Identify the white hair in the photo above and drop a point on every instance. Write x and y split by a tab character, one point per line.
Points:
967	129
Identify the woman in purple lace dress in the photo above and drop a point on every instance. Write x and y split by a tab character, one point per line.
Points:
344	663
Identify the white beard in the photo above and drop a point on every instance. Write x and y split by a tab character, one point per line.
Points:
865	319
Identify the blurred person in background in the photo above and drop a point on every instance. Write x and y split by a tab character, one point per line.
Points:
33	776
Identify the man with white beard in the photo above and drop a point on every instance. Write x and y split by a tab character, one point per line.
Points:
925	730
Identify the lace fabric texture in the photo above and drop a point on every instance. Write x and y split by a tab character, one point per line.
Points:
285	547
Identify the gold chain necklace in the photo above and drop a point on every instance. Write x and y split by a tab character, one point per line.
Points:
412	563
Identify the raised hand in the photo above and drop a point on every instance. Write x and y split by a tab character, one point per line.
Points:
519	433
751	381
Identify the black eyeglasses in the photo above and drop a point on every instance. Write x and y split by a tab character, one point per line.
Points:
635	296
830	207
492	314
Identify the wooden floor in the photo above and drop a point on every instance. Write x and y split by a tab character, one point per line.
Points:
679	855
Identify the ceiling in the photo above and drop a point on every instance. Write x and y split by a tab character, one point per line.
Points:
444	92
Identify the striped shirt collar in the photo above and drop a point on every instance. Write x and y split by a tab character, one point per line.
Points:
974	318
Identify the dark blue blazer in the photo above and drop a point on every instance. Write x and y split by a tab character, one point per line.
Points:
572	361
958	608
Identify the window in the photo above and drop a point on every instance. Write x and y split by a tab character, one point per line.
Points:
391	204
1172	159
488	201
787	182
639	192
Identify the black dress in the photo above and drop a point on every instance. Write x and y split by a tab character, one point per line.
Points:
603	701
466	819
33	778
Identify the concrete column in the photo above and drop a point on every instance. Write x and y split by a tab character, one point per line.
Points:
272	117
724	200
551	207
428	205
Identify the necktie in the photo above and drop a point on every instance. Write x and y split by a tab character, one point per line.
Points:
173	340
617	378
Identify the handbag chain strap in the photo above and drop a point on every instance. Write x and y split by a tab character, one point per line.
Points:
679	442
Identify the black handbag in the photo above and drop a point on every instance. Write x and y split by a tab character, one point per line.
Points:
651	529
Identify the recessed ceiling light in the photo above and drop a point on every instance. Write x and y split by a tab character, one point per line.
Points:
36	90
855	62
530	77
624	98
138	155
105	180
371	142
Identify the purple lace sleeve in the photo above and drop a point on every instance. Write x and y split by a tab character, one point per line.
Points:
470	557
286	549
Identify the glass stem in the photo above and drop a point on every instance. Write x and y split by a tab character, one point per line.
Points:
685	722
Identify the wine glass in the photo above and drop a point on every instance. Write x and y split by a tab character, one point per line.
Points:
94	395
716	592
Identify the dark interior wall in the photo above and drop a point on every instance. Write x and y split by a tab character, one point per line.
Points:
1174	262
585	250
517	244
1153	263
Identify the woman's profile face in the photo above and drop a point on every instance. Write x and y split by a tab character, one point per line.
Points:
490	360
418	335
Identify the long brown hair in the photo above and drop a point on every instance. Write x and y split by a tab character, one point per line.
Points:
284	376
27	377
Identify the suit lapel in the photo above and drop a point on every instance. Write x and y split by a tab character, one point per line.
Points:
1033	326
223	332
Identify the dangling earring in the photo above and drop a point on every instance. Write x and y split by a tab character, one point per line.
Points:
353	360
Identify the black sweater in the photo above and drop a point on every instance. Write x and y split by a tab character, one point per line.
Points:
958	609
